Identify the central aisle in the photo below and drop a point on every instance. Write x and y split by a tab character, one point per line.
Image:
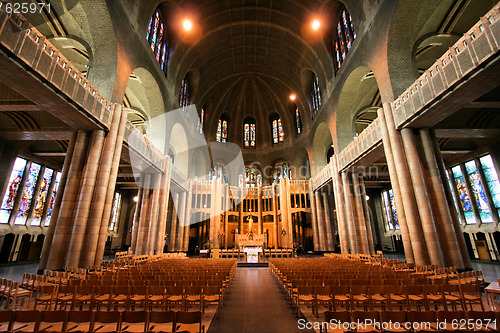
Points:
255	304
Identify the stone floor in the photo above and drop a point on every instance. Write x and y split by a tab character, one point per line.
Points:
255	304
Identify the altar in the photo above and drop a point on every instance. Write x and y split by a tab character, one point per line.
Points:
250	239
252	254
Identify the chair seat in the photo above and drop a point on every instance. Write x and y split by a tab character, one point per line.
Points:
434	297
415	297
212	298
360	298
324	298
193	298
306	297
397	298
170	298
119	298
379	298
342	298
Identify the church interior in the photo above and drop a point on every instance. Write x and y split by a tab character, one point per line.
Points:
301	162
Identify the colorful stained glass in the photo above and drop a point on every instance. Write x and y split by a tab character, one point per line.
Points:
240	180
455	202
346	30
275	177
27	195
252	135
149	28
116	211
218	135
52	199
156	37
200	121
297	120
343	38
247	174
42	197
224	131
463	194
9	197
285	170
491	179
246	135
163	56
184	97
315	95
337	54
387	210
393	209
159	43
220	170
478	191
155	30
259	179
275	131
281	134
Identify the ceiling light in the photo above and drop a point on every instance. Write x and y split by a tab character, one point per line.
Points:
292	97
315	25
187	24
136	198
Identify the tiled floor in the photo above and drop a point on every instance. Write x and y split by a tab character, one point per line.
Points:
255	304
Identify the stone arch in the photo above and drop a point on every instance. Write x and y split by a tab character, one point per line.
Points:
179	144
321	143
359	95
302	165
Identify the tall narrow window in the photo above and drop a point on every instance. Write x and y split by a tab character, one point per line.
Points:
455	202
27	195
463	193
315	96
9	197
491	179
52	199
249	132
343	38
278	133
221	135
115	214
42	197
157	38
297	120
387	210
184	98
478	192
200	121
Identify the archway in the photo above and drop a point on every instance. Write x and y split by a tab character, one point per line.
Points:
321	143
8	241
179	145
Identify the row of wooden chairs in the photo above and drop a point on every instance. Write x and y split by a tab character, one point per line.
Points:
11	292
100	321
391	298
54	297
409	321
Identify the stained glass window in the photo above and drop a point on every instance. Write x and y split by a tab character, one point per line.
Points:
297	120
157	38
218	135
116	211
249	133
246	135
52	199
252	135
387	210
42	197
455	202
240	180
27	195
343	38
200	121
463	195
224	130
491	179
393	209
221	135
278	133
10	195
259	179
315	95
478	192
184	98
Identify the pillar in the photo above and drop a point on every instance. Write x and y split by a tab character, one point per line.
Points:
406	188
423	200
143	224
137	216
173	227
164	199
328	223
152	236
314	221
339	206
349	212
181	212
366	210
321	222
187	223
360	220
275	216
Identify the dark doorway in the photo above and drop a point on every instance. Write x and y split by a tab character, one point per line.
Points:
24	248
7	247
468	243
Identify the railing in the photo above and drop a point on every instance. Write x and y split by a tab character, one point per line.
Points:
476	46
322	177
21	38
179	177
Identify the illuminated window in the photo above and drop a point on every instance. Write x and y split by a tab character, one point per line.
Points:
249	133
157	38
315	96
343	38
390	213
463	195
478	192
9	198
221	135
184	97
52	199
200	121
27	195
42	197
297	120
491	176
278	133
115	214
281	170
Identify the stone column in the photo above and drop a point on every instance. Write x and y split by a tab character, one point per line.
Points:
164	199
226	216
259	205
142	226
406	187
320	215
58	248
47	244
366	210
85	200
423	199
360	220
452	254
451	207
137	216
113	175
173	227
181	211
328	223
187	223
398	199
314	221
152	236
349	212
100	191
275	217
339	204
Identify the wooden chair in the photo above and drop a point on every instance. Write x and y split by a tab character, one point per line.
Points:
79	321
107	321
45	295
397	297
5	318
174	297
156	297
341	296
434	297
324	298
451	295
379	297
482	320
134	321
161	321
212	295
193	296
83	297
27	321
53	321
365	317
338	318
119	297
394	317
448	319
102	297
187	319
422	320
305	296
360	297
471	294
138	296
415	297
65	296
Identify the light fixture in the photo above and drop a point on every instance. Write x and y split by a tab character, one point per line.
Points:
367	198
315	25
187	24
292	97
136	198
